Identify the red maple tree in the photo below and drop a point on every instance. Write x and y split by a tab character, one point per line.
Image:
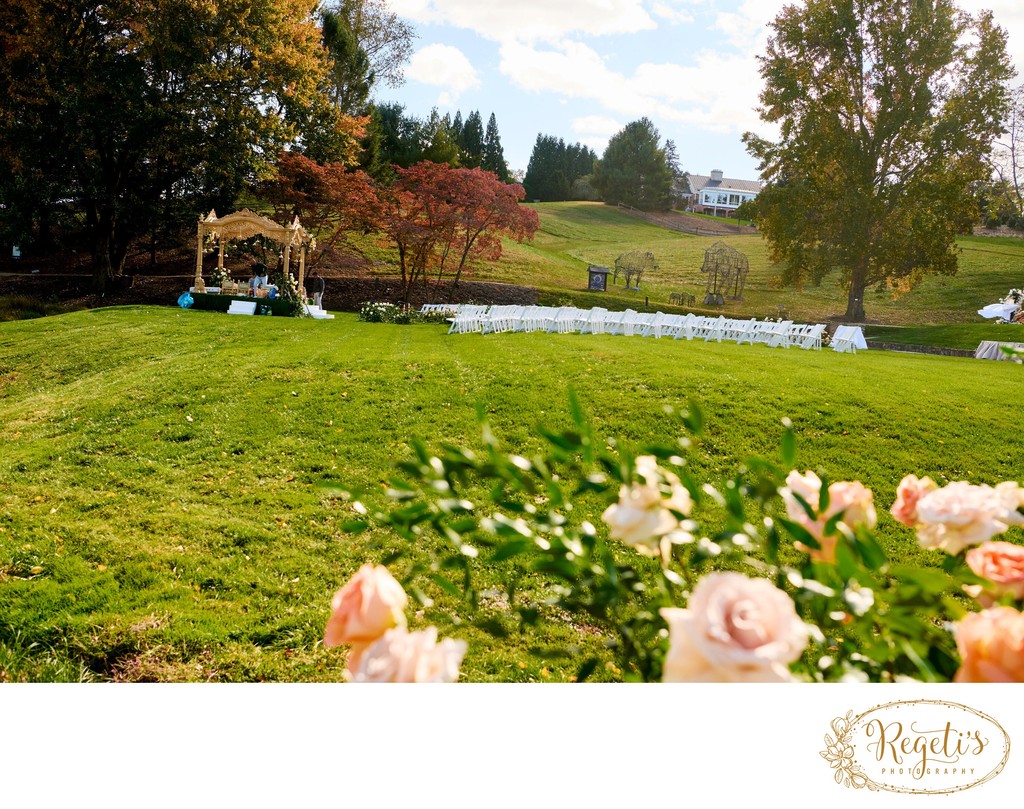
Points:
332	201
442	220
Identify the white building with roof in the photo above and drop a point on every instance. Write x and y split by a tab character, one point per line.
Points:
716	194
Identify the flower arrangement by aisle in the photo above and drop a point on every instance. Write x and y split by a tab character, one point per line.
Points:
288	290
770	575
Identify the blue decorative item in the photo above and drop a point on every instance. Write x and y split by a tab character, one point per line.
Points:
185	300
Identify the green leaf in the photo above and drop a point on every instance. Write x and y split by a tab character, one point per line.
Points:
589	667
492	626
800	533
693	418
846	561
788	448
870	551
445	584
354	526
510	548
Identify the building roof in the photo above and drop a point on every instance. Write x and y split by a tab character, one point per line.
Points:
698	182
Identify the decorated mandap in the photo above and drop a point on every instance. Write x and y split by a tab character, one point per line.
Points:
245	224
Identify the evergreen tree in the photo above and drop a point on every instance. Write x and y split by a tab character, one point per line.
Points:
556	169
438	145
494	155
471	141
350	72
456	129
399	137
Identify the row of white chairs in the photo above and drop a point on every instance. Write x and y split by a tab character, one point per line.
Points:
436	308
565	319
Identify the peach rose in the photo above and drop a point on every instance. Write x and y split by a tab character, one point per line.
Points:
1012	497
408	657
961	514
1002	563
734	629
644	512
991	646
364	609
908	493
852	498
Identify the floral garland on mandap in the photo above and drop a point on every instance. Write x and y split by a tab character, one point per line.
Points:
770	576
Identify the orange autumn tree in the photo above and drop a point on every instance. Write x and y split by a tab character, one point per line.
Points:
332	201
442	220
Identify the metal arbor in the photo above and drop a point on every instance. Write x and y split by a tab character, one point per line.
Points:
726	269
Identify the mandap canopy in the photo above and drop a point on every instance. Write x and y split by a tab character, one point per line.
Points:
245	224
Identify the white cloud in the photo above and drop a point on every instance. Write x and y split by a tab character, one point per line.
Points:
672	14
530	20
600	125
446	67
716	92
745	29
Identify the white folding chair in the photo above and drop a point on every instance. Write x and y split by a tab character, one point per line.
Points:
615	322
715	329
592	322
848	339
739	330
811	337
654	325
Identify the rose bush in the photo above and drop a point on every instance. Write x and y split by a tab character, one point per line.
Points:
768	575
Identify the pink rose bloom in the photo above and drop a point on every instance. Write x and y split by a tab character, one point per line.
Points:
643	514
408	657
364	609
1012	497
991	645
852	498
960	514
908	493
1002	563
733	630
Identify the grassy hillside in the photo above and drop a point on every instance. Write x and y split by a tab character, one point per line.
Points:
576	234
160	514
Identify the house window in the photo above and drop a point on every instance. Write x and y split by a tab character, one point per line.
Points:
723	199
734	199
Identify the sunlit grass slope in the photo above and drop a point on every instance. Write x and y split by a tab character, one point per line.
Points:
574	235
160	516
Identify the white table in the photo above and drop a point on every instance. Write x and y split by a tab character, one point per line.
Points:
991	350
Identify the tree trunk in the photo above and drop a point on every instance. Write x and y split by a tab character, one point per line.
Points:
855	299
109	249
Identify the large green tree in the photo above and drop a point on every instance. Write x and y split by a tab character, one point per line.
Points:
135	110
494	154
634	170
886	110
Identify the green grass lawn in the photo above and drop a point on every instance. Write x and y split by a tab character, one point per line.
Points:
574	235
160	513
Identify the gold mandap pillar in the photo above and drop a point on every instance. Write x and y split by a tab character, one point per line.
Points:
197	283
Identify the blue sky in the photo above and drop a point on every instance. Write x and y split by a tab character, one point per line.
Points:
583	69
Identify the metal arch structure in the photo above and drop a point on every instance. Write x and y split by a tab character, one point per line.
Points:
726	269
245	224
